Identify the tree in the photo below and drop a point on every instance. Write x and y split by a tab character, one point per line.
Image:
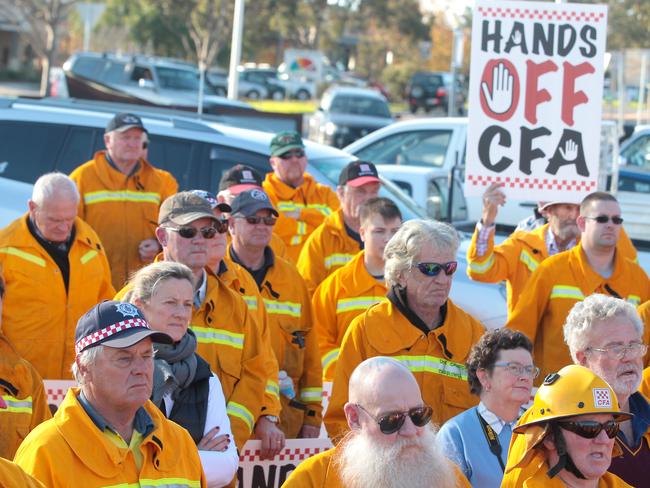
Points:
44	18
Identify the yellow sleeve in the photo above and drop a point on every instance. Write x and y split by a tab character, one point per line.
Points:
496	264
271	404
311	382
531	305
311	262
644	313
106	292
325	324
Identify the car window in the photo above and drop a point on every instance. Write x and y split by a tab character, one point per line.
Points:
215	159
88	67
438	198
27	150
178	79
638	152
79	146
174	155
359	105
416	148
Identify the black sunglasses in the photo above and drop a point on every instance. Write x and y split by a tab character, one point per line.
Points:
434	269
291	154
254	220
603	219
221	226
392	422
589	429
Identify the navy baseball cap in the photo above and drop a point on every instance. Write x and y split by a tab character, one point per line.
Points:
249	202
212	200
114	324
123	122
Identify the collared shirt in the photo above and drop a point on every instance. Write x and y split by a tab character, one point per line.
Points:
260	273
484	233
142	422
494	421
135	169
199	294
551	243
640	407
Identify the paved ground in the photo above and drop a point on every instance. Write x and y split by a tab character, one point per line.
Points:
18	89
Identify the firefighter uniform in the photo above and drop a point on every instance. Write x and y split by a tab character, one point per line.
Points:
517	258
39	315
558	283
71	450
122	209
328	248
12	475
295	344
343	295
313	200
23	402
436	359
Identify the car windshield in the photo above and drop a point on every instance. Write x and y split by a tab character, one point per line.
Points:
331	168
359	105
178	79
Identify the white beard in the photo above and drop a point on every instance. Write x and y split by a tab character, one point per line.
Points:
364	464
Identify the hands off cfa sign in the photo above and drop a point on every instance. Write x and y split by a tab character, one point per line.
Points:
535	94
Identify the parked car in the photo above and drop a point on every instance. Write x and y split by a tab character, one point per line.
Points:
430	90
37	136
295	88
346	113
253	90
267	78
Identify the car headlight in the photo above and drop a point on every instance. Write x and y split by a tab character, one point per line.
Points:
330	128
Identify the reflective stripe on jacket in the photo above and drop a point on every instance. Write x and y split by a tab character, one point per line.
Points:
39	317
122	209
327	249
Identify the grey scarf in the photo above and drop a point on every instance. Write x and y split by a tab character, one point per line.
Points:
174	367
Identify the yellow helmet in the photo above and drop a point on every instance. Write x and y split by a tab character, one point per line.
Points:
574	390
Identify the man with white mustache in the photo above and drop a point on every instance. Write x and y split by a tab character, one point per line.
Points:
605	334
392	442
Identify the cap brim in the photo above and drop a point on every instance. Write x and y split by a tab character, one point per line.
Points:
188	218
223	207
124	128
363	180
252	210
287	148
132	336
237	189
557	202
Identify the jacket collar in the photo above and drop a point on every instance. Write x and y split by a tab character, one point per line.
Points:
359	279
109	176
585	275
18	235
286	192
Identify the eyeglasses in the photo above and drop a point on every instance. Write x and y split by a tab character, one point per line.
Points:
392	422
254	220
519	370
619	351
221	226
292	154
433	269
589	429
603	219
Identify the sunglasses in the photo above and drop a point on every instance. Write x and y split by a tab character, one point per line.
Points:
292	154
392	422
254	220
589	429
221	226
434	269
603	219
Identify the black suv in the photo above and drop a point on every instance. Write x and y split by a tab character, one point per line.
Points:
430	90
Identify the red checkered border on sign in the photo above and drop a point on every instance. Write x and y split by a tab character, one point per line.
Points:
534	183
56	394
298	454
109	331
537	14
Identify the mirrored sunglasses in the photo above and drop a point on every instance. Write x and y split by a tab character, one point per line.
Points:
603	219
589	429
221	226
434	269
254	220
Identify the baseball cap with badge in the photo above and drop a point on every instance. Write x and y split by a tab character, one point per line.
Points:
240	178
114	324
358	173
286	141
212	200
249	202
185	207
123	122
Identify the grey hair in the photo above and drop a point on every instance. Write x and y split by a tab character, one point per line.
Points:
403	248
144	281
52	185
86	358
594	309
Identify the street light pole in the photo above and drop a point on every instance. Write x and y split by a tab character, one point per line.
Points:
235	49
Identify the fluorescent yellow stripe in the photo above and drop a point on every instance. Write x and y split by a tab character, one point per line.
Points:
251	301
241	412
324	209
282	308
206	335
329	358
634	299
481	267
337	260
288	206
435	365
528	261
565	291
358	303
88	256
18	405
12	251
121	196
273	388
124	485
171	483
311	394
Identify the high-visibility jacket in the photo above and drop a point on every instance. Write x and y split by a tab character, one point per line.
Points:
12	475
38	316
516	258
122	209
313	200
328	248
346	293
230	341
533	475
21	389
70	450
437	359
644	312
295	344
559	283
322	471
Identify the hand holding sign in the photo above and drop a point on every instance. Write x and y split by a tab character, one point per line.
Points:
570	151
499	99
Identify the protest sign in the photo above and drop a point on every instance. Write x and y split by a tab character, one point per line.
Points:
536	83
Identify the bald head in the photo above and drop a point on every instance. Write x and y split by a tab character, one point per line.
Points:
370	378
